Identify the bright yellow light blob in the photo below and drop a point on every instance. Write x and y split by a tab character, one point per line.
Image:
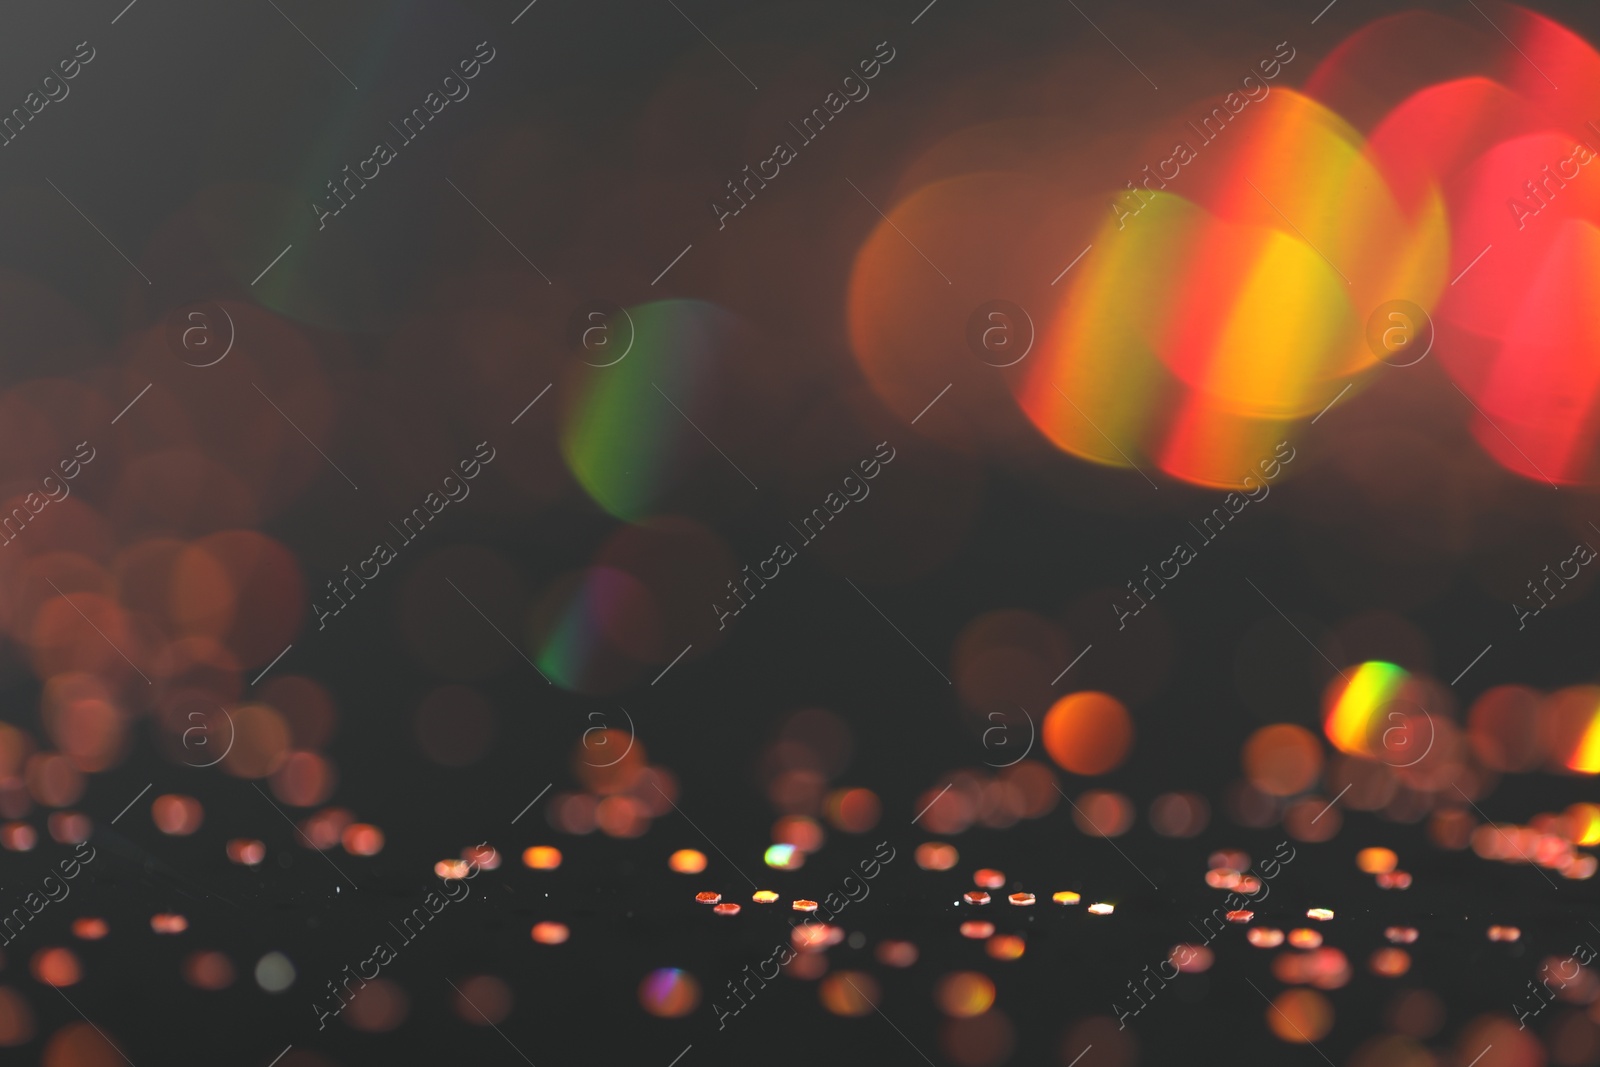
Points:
1359	706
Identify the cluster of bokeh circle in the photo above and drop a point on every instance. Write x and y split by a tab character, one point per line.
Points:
1223	291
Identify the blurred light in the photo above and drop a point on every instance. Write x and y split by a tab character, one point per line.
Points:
669	993
1088	733
936	856
274	972
687	861
964	994
849	993
542	857
550	933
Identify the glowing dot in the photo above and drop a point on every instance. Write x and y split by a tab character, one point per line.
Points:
362	839
483	1000
975	896
896	953
1304	938
208	970
764	896
669	993
783	856
1006	947
815	937
1066	896
849	993
977	929
69	827
1282	759
1022	900
726	909
1300	1016
452	868
56	967
803	905
1088	733
168	923
1504	933
274	972
1584	823
1102	909
854	810
1390	962
1222	878
1319	914
176	814
485	856
1264	937
687	861
1400	935
550	933
936	856
246	851
542	857
89	928
988	878
964	994
1240	915
708	897
1376	860
18	837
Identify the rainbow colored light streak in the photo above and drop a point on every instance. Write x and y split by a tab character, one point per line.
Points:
1355	714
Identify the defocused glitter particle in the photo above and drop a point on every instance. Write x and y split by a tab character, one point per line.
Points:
964	994
1066	896
988	878
936	856
849	993
977	929
550	933
1304	938
90	928
1300	1016
1006	947
542	857
1390	962
669	993
1504	933
274	972
687	861
1376	860
783	857
896	953
1264	936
